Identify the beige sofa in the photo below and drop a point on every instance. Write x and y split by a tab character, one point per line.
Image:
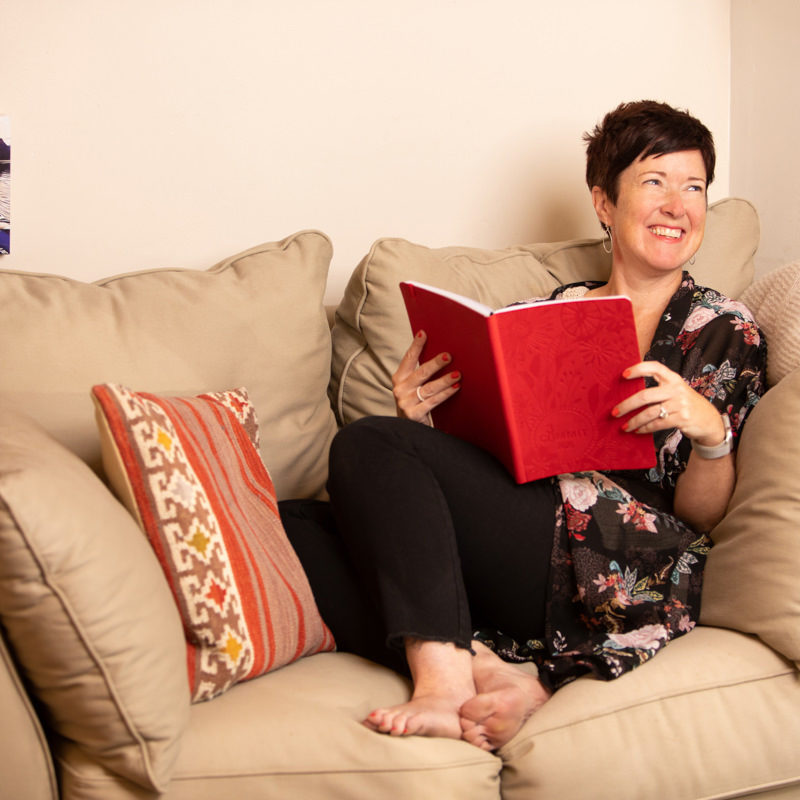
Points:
93	687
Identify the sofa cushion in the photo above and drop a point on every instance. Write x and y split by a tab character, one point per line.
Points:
751	577
775	302
87	612
716	714
25	762
297	733
189	471
372	330
255	319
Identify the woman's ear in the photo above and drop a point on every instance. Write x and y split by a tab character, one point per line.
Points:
602	206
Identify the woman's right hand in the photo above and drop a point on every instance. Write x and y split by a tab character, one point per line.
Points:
415	393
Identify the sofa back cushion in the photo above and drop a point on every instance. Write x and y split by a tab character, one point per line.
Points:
751	577
255	319
86	610
774	299
372	332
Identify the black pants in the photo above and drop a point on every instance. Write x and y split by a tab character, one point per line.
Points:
426	536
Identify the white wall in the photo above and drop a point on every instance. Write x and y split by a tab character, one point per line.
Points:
176	132
765	122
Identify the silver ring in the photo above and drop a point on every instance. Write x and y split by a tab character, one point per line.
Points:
419	395
662	412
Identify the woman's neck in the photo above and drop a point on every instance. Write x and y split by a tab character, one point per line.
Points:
645	292
649	296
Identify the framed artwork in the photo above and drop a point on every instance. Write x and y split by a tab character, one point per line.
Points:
5	185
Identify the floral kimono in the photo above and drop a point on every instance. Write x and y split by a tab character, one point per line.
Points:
625	574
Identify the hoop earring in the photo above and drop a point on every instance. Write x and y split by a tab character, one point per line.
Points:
609	239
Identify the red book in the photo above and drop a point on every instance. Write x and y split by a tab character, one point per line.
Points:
539	380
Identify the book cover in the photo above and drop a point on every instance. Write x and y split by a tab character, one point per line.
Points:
539	380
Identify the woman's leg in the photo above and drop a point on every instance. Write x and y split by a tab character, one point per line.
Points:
339	595
440	534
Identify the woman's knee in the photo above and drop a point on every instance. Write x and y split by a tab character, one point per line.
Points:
360	438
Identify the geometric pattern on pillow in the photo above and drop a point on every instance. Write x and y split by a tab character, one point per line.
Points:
190	471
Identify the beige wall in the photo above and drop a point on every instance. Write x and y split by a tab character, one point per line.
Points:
765	122
175	132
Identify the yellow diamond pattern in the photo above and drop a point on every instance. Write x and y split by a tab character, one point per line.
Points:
232	648
199	541
164	440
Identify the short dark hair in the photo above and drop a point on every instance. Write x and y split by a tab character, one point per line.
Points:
638	130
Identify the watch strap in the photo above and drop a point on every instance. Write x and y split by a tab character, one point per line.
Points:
717	450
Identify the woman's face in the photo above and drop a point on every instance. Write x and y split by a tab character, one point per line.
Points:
658	220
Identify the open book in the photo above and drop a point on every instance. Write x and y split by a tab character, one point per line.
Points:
539	380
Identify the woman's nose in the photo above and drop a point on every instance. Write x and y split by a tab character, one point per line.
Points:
673	204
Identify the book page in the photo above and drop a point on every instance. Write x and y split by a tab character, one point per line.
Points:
467	302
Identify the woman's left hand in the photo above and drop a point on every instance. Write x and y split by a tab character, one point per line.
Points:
670	404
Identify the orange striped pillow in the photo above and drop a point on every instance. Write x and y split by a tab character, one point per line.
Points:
190	471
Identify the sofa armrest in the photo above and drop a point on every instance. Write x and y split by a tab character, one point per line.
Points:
25	762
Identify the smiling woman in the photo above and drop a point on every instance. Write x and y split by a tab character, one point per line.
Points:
597	570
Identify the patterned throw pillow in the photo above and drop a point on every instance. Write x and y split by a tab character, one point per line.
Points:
190	471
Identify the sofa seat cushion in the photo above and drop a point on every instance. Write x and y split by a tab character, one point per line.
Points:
255	319
717	714
372	331
189	470
86	610
297	733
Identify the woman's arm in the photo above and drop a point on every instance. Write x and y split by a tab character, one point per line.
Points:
703	490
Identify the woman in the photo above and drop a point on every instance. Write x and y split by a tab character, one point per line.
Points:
468	572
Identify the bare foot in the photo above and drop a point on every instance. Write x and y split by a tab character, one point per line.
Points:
443	682
506	698
423	715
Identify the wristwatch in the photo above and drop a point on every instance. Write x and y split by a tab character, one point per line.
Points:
718	450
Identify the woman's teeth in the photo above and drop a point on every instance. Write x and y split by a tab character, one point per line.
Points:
672	233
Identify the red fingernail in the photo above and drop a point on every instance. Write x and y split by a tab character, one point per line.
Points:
455	375
614	412
420	334
445	357
626	373
456	385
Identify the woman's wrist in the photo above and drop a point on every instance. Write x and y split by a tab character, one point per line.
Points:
716	450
